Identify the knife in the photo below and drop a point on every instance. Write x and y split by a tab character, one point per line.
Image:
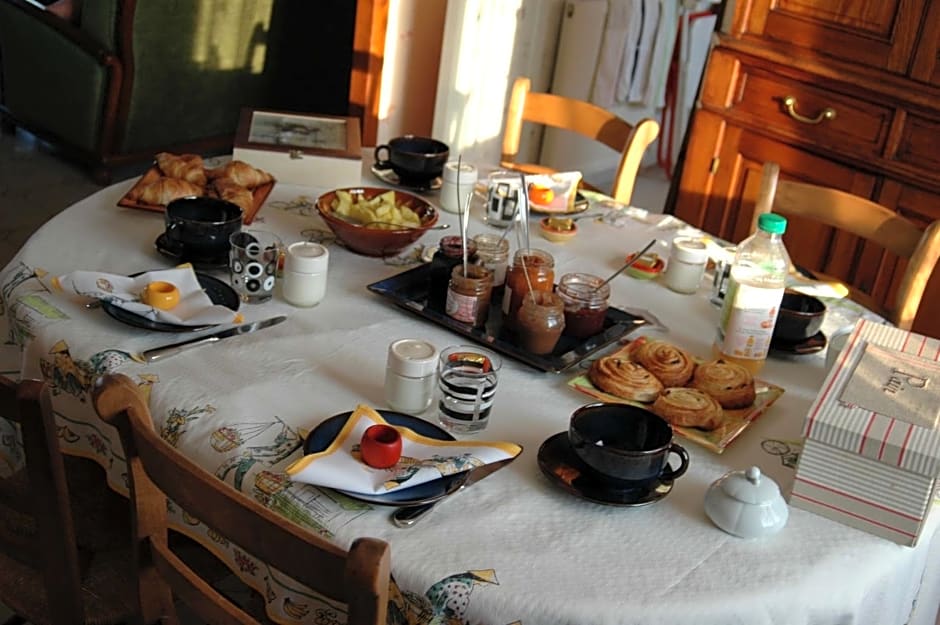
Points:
406	516
160	353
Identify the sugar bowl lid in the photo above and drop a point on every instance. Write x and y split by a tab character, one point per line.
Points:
747	504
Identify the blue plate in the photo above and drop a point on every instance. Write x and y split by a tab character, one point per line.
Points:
326	432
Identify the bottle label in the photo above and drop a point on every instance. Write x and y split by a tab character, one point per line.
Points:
462	307
747	320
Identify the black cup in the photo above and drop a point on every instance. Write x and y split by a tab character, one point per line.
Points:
800	317
201	226
416	160
626	446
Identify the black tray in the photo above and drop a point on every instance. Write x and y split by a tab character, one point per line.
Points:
409	290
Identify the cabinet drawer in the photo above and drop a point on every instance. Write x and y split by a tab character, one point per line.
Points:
796	110
918	146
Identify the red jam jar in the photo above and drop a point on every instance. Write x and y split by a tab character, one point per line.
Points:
449	254
531	269
586	303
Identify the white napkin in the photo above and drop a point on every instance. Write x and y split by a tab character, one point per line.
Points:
194	308
422	459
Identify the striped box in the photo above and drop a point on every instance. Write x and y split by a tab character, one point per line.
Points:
871	455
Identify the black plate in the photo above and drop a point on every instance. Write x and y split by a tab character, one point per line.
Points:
389	176
812	345
562	466
409	290
175	252
218	292
326	432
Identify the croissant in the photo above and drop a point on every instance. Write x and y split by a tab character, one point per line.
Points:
188	167
729	383
625	379
670	364
688	407
165	190
237	194
241	173
149	177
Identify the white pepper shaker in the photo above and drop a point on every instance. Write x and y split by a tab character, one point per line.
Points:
409	376
686	266
450	192
305	270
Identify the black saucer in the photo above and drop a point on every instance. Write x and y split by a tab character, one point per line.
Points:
173	250
390	177
560	465
812	345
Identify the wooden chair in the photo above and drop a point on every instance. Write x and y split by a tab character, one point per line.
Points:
584	118
358	577
920	248
54	570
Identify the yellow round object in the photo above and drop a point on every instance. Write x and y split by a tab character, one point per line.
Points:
160	294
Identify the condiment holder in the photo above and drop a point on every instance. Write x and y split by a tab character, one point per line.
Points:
747	504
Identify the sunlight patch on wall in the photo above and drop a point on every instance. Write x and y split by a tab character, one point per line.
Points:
232	34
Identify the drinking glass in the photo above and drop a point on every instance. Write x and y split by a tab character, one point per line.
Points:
466	380
253	262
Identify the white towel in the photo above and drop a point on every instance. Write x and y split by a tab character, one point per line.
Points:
634	20
662	54
639	86
618	30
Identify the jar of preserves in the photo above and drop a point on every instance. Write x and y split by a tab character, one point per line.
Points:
493	253
541	321
449	254
531	269
586	303
468	295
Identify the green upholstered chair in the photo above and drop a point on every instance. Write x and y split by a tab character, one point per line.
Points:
124	79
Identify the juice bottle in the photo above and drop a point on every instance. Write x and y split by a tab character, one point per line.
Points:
755	289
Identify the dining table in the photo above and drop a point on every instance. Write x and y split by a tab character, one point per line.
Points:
516	547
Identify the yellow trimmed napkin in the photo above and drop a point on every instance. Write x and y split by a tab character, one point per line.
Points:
422	460
194	308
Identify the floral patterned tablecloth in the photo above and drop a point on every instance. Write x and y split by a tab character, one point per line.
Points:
513	548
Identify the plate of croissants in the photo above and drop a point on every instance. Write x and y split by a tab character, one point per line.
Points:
174	176
707	401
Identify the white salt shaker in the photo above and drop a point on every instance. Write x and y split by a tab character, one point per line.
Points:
686	266
450	192
305	269
409	375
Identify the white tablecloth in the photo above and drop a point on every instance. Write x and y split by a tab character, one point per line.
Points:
512	548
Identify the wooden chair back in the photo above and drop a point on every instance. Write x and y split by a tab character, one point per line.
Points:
53	550
358	577
920	248
584	118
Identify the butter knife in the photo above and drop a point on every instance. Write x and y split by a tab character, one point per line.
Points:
406	516
161	353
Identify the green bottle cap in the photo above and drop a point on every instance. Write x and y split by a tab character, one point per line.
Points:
772	223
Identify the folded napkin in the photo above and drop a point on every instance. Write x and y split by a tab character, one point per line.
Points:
194	308
422	459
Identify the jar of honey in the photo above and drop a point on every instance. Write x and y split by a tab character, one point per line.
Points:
468	295
531	269
449	254
541	321
586	303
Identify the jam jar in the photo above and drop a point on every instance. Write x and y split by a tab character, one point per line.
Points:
468	295
531	269
586	303
493	253
541	321
449	254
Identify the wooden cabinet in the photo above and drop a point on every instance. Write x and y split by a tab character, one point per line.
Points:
842	93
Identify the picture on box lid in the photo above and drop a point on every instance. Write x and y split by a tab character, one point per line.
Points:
896	385
298	131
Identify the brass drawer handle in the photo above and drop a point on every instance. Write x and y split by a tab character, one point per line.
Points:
790	103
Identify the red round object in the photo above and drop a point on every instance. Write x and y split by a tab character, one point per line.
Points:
380	446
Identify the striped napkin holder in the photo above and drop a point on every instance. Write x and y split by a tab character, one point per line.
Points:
871	454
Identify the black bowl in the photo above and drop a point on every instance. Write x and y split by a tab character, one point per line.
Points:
801	316
623	444
201	226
